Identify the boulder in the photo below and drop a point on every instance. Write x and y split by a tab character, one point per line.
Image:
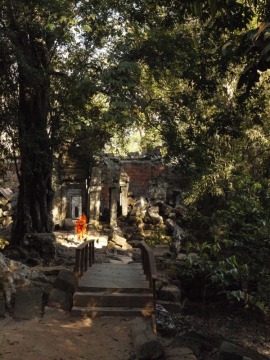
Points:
7	208
60	299
193	340
117	231
121	242
229	351
146	344
165	322
69	225
13	274
29	302
152	215
65	281
132	218
169	292
165	210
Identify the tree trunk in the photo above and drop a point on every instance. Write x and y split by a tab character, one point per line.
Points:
35	193
34	209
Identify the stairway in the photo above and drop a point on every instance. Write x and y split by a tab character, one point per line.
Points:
113	289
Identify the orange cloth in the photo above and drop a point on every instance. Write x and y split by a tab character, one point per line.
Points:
80	226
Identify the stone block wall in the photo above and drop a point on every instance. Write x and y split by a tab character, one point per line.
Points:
143	180
141	173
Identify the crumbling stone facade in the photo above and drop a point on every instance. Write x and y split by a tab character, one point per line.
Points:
107	189
114	180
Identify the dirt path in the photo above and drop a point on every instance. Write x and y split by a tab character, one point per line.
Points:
59	336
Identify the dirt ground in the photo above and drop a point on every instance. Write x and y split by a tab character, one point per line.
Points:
60	336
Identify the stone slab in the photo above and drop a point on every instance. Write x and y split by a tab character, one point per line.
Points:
60	299
28	303
65	281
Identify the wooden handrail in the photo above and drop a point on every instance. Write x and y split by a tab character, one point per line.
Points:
149	267
84	258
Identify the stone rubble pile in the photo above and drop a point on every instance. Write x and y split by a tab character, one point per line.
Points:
8	202
14	275
147	220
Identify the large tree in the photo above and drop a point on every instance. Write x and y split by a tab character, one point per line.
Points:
44	68
50	62
31	47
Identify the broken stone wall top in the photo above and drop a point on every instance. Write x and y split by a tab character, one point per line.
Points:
111	170
136	170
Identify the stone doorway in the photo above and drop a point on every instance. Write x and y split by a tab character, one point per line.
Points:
76	206
75	203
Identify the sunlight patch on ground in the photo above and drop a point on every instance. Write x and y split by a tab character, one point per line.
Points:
82	323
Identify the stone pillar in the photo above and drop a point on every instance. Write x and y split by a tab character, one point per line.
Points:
94	192
114	193
124	200
94	204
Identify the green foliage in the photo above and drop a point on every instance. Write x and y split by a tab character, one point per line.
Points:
159	236
161	67
189	89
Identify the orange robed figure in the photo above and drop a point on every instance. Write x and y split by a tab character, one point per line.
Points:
80	226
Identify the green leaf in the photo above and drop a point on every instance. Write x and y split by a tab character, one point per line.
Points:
87	28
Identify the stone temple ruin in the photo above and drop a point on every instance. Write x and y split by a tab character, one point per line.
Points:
139	189
105	193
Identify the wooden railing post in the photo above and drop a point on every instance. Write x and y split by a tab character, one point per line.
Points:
76	268
81	261
150	270
84	258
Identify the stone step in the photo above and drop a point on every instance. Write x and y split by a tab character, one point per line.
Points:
116	268
110	311
120	266
103	299
128	289
103	274
113	281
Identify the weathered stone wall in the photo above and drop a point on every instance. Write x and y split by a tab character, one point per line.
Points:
142	176
68	179
141	173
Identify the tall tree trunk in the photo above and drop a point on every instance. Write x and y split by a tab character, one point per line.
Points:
34	209
35	193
